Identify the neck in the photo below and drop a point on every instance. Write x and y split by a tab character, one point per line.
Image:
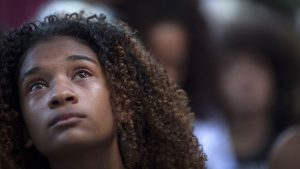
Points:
250	134
95	158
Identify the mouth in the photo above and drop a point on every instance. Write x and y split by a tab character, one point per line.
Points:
66	118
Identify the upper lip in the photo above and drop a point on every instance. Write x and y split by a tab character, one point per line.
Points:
64	116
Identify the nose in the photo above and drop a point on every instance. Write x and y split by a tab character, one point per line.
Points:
62	95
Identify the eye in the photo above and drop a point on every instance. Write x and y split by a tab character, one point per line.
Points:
81	74
37	85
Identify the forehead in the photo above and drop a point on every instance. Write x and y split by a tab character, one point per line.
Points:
57	48
54	55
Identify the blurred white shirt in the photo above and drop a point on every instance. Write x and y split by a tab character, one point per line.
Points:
214	136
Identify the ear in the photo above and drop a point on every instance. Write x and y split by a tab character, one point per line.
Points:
27	140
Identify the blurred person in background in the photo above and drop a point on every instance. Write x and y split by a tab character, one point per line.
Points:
178	36
169	43
257	74
257	78
286	150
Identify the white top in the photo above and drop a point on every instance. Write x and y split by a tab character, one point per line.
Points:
213	135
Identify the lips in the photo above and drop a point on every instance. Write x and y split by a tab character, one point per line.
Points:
65	116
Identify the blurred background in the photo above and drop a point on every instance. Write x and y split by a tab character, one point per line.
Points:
238	60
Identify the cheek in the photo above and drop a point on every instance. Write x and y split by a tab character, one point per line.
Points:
35	129
97	100
99	110
102	104
34	117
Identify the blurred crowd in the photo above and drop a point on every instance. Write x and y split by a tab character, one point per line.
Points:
238	60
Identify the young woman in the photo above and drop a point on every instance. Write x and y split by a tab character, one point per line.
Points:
81	92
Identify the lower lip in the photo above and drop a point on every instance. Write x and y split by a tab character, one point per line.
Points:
67	122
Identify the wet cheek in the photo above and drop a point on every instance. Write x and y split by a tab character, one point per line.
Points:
37	104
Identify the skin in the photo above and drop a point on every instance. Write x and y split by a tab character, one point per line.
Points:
286	150
63	76
169	44
247	85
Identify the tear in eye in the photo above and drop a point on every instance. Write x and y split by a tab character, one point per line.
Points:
81	74
37	85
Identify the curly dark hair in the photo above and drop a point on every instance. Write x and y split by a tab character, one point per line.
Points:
154	122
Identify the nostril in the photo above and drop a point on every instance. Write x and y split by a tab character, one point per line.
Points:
69	98
54	102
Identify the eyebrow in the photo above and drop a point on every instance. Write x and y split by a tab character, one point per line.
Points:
80	57
30	72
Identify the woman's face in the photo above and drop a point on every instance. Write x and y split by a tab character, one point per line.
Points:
247	85
64	97
169	43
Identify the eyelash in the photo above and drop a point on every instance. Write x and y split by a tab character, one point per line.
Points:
86	72
44	84
39	82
